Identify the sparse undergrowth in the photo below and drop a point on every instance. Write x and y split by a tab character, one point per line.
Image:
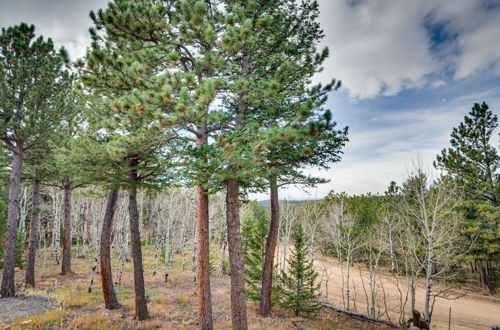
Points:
172	305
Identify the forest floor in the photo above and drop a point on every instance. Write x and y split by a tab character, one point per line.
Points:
172	305
470	307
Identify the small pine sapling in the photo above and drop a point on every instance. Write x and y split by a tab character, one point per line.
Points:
300	290
254	232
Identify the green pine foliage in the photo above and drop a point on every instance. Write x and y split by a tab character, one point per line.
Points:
33	83
20	260
472	159
300	289
473	162
254	230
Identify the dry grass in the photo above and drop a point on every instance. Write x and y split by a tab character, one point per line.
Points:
95	322
51	319
184	299
172	305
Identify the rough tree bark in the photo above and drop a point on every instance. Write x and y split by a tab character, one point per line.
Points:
29	277
8	288
272	238
108	289
203	249
237	266
66	242
202	259
141	309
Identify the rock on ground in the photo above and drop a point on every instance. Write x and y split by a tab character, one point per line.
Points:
18	307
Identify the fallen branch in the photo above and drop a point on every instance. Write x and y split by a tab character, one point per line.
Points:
358	315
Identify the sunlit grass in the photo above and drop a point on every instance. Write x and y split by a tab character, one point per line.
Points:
50	319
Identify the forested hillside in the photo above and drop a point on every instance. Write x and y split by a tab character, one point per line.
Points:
128	178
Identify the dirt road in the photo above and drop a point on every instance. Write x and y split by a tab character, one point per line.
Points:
472	311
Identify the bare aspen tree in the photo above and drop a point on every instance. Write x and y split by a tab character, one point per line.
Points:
121	236
56	229
169	229
24	203
373	250
311	220
79	223
156	214
346	234
326	274
390	228
97	206
332	217
431	208
408	243
183	243
288	218
194	248
187	222
218	223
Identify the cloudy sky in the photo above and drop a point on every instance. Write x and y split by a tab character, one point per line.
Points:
411	69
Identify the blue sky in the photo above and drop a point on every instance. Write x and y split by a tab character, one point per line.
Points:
411	69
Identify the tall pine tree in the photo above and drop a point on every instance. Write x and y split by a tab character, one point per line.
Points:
129	116
175	65
277	123
474	162
33	77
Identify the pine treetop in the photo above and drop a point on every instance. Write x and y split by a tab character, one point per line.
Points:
33	78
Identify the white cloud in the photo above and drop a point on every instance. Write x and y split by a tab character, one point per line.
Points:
378	47
381	47
480	49
438	83
66	22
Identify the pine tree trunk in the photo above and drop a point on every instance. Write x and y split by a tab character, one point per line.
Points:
108	289
29	278
486	279
272	238
141	310
202	259
8	288
237	266
66	242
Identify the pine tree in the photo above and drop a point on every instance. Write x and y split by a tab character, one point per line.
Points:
131	113
169	53
37	161
172	55
472	159
272	52
300	289
254	230
33	78
473	162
